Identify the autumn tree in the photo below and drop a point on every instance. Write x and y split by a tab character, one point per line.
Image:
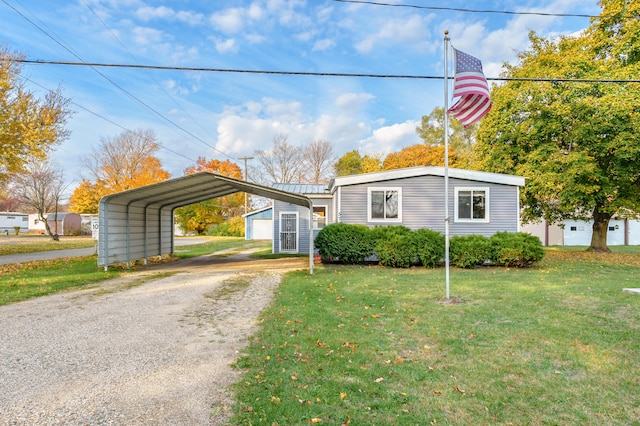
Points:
461	139
418	155
40	188
352	163
200	216
29	126
578	143
119	163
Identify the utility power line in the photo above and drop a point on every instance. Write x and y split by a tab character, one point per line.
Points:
312	74
457	9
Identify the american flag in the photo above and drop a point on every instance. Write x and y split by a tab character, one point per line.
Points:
471	86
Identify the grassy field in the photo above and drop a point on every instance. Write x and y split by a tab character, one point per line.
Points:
35	243
554	344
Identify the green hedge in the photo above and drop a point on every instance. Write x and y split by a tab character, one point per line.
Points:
399	247
517	250
343	243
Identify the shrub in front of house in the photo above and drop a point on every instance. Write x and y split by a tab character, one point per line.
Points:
516	250
429	246
468	251
397	251
345	243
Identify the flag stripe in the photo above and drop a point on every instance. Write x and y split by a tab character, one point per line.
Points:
472	89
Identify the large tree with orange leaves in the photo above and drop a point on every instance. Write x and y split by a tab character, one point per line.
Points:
119	163
418	155
199	217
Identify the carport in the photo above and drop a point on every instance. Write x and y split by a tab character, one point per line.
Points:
138	223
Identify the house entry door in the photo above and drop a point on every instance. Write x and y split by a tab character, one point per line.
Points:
289	232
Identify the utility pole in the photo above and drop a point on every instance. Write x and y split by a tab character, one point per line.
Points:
246	197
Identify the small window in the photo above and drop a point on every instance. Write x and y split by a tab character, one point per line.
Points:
385	205
25	219
612	228
319	217
472	205
574	228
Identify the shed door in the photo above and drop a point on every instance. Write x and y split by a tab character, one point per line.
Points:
289	232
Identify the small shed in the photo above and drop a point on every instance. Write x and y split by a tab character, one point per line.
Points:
65	223
258	224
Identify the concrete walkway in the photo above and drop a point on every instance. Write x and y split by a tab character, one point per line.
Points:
57	254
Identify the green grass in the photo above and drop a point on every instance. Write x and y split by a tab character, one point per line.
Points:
232	244
10	245
614	249
33	279
555	344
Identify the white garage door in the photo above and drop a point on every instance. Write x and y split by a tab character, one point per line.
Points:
262	229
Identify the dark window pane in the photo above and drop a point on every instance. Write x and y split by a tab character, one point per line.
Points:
377	204
464	204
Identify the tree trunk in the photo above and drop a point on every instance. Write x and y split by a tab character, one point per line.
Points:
599	234
54	237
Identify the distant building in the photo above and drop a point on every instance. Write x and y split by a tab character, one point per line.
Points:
65	223
10	220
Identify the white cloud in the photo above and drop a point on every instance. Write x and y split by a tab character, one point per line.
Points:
322	45
395	31
228	21
148	13
226	46
391	138
352	103
147	36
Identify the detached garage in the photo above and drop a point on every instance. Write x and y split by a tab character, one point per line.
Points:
138	224
258	224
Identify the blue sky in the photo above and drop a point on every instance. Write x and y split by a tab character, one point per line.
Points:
230	115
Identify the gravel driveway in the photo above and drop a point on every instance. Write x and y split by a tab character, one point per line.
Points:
142	350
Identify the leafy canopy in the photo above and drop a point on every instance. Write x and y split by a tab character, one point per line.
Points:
578	143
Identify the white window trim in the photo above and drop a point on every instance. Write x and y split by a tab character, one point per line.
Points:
487	209
326	214
384	188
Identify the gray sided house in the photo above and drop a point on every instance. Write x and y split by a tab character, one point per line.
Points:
479	203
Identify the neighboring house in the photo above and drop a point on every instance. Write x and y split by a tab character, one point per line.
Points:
10	220
36	226
479	203
578	232
258	224
65	223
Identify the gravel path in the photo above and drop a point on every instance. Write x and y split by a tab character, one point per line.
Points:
155	353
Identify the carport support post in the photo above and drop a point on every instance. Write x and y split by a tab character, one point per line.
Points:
310	237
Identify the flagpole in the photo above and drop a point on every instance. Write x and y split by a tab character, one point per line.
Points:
446	160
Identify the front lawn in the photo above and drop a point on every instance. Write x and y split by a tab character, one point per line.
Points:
554	344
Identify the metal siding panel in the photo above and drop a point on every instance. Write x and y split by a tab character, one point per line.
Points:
423	205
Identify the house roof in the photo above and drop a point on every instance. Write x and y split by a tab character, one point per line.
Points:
302	188
59	215
195	188
426	171
264	209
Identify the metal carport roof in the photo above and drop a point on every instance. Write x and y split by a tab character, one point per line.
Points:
138	223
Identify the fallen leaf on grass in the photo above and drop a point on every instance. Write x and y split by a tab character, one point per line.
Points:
459	390
315	420
379	379
436	392
343	395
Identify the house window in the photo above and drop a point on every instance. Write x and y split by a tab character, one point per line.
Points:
319	217
472	205
385	204
574	228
